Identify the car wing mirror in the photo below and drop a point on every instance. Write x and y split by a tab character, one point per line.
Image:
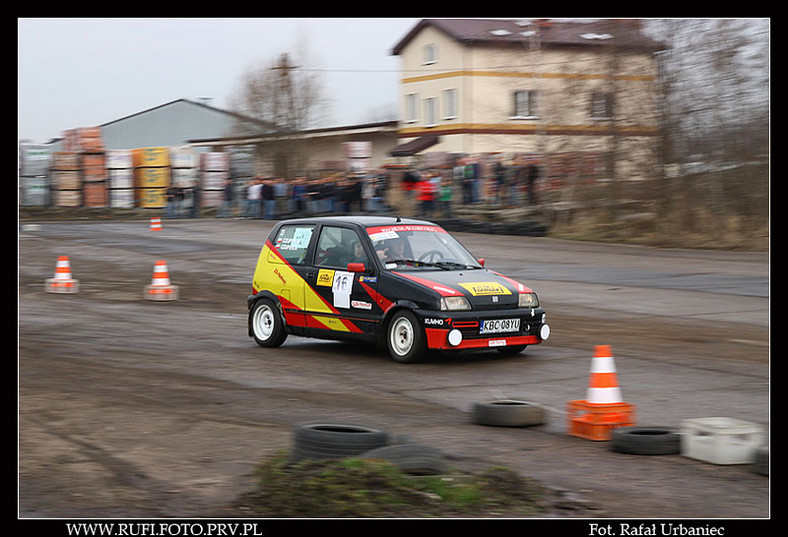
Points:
356	267
481	261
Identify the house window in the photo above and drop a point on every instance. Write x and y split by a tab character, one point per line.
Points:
410	107
524	104
431	53
601	105
430	111
450	103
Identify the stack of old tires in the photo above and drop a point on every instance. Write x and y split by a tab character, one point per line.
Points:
340	440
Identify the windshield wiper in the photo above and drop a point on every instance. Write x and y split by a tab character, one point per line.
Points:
454	264
416	262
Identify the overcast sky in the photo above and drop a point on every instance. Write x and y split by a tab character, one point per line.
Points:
76	72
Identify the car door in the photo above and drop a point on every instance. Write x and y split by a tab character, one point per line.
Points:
340	300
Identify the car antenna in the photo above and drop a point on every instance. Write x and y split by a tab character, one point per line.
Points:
399	219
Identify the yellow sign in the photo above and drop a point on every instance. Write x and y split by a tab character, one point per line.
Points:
486	288
325	277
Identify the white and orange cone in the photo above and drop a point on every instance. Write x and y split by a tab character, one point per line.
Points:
155	224
62	282
603	386
160	287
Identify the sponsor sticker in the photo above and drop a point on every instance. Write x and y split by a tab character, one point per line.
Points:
485	288
325	277
360	304
496	343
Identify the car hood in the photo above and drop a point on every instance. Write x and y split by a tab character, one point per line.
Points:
481	287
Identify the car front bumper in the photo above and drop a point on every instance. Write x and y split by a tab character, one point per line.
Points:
459	330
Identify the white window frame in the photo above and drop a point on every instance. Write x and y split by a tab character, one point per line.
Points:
430	53
529	107
604	102
430	111
411	108
450	103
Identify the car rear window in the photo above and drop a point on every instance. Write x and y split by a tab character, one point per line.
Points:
292	243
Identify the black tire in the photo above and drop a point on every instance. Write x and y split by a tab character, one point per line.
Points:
413	459
508	413
266	324
405	340
334	440
645	440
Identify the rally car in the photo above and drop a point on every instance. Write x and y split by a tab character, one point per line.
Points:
405	284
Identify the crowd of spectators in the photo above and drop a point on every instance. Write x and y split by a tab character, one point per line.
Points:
429	193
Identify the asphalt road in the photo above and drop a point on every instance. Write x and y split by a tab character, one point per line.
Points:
133	408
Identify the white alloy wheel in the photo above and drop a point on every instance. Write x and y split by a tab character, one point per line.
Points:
266	324
401	336
263	322
405	338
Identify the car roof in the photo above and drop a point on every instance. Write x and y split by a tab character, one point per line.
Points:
362	221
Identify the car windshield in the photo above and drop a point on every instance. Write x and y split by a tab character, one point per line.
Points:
419	247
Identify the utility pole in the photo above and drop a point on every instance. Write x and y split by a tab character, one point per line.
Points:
285	118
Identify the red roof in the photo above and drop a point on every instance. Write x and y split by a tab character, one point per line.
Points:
551	33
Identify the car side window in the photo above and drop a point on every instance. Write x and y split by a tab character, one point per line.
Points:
338	246
292	243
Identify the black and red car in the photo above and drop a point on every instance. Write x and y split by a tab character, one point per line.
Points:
407	284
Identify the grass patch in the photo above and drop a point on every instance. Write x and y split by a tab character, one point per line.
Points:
360	488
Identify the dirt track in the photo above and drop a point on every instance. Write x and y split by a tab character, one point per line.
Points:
131	408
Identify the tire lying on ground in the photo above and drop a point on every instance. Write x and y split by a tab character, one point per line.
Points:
508	413
645	440
413	459
334	440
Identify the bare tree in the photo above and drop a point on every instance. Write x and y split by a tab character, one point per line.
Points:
288	96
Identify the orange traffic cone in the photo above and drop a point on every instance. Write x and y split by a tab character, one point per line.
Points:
603	409
160	287
62	282
155	224
603	386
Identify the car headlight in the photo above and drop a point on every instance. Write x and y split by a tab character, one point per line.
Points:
527	300
455	303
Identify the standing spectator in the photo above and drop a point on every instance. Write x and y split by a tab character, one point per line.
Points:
169	207
299	194
445	196
500	182
227	203
195	190
533	175
410	182
253	195
281	196
269	199
458	178
426	195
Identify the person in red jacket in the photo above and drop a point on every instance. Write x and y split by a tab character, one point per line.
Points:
426	194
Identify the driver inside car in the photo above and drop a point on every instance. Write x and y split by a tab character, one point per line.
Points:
393	250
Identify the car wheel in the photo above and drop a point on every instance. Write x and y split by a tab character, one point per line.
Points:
508	413
404	338
334	440
645	440
266	324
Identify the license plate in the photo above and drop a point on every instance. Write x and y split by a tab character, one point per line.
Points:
496	326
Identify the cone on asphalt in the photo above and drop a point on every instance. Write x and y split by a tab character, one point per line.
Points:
160	288
155	224
603	386
63	282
